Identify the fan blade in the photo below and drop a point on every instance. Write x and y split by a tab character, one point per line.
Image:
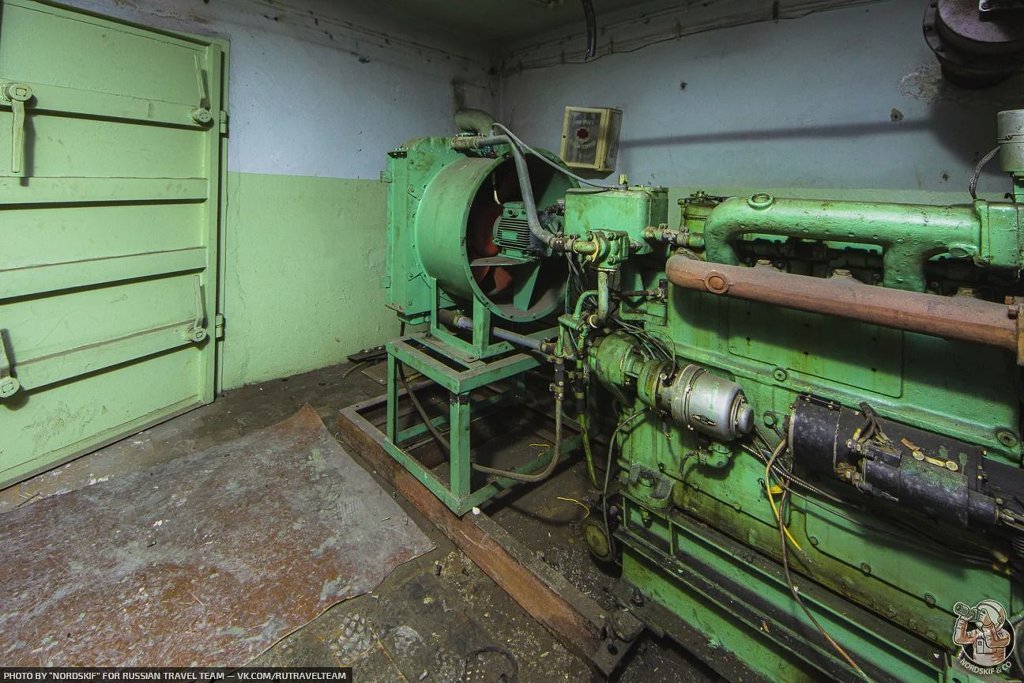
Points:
502	279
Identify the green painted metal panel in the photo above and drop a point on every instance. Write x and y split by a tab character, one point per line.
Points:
304	258
110	185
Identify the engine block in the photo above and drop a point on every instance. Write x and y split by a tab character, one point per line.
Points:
814	407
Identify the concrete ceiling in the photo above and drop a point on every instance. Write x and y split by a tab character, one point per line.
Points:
511	21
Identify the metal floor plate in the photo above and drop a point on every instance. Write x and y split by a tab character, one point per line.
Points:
207	560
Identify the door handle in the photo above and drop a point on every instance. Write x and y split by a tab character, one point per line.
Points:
17	94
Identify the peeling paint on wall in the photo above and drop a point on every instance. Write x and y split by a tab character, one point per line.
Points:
927	85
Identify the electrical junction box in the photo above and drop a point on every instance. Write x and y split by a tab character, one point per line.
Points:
590	138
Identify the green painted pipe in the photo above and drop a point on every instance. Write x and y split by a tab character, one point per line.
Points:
909	234
603	296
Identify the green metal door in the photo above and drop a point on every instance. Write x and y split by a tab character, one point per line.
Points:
111	138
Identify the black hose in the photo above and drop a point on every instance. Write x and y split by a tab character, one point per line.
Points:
441	441
588	13
526	189
522	171
511	676
547	471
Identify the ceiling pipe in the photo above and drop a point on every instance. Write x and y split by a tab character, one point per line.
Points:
591	18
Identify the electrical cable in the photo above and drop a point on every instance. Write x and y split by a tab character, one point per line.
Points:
788	475
791	478
562	61
583	505
354	368
938	547
974	559
642	334
591	18
543	474
564	171
782	537
972	187
796	596
441	441
526	190
588	452
771	497
608	471
509	677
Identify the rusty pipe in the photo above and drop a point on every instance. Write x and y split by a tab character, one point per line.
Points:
956	317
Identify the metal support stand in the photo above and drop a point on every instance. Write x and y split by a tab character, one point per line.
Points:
461	377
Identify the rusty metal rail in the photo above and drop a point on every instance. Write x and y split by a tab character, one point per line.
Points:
952	317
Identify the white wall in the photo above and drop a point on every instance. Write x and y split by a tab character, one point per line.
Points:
317	88
323	87
805	102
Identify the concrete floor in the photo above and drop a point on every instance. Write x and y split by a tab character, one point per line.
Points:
437	617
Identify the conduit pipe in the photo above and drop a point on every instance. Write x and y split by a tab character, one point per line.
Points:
475	121
462	322
951	317
465	144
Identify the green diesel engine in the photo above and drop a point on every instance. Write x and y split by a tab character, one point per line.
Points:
812	408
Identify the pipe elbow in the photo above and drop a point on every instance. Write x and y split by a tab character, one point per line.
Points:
727	220
476	121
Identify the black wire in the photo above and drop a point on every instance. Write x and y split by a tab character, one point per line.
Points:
512	674
938	547
796	593
611	51
972	187
591	17
441	441
790	478
608	472
647	339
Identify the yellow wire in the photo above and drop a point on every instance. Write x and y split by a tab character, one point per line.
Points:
573	500
775	509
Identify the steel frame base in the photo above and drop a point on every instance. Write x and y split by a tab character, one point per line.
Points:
460	376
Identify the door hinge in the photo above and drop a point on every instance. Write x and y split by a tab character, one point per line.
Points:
17	96
218	326
223	122
196	332
9	385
